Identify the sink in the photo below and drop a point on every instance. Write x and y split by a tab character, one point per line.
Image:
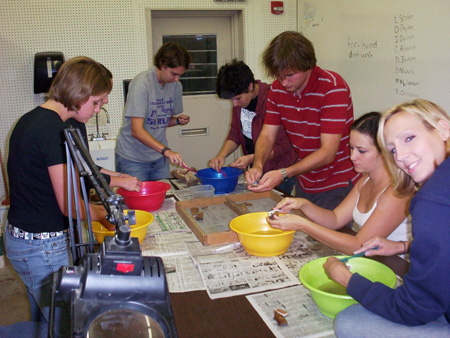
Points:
102	153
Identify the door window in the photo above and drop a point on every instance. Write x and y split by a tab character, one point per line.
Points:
201	76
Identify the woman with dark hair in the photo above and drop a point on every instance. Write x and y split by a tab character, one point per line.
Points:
371	204
153	103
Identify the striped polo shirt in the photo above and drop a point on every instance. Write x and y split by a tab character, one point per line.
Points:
324	106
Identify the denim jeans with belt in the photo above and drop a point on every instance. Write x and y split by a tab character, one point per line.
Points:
35	261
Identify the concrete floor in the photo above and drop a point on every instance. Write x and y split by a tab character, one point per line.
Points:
14	305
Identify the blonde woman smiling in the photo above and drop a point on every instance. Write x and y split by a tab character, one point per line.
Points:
414	137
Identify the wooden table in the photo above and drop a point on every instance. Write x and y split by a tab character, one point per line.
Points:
198	316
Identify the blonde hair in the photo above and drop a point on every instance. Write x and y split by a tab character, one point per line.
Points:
430	114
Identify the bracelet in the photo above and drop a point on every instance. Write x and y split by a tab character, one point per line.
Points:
178	121
404	247
284	174
163	150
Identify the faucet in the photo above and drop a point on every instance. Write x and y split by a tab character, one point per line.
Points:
102	137
107	115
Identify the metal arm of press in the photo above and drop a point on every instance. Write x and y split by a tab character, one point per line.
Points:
105	286
113	203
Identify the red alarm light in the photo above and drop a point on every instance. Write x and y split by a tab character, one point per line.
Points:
277	7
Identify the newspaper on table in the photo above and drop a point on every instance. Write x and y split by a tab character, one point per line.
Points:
168	205
166	244
233	272
304	319
180	184
171	190
182	274
302	250
183	194
165	238
166	219
228	270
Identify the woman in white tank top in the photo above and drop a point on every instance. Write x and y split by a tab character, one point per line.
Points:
401	233
371	203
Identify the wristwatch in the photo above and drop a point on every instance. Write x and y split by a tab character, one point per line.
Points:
285	175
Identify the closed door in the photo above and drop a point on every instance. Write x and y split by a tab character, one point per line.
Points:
203	137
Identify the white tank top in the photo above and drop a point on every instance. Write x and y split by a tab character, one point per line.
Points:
401	233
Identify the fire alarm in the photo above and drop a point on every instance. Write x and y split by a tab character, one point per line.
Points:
277	7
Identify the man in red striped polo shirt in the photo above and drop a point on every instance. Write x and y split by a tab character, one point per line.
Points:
315	107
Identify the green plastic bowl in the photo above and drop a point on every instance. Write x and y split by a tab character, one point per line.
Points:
331	297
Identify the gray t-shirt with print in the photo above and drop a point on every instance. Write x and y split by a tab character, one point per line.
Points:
156	104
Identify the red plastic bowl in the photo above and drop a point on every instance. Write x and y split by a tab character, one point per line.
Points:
149	198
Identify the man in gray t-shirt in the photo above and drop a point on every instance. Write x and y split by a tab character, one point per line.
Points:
154	102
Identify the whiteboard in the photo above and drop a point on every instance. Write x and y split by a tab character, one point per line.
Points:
388	51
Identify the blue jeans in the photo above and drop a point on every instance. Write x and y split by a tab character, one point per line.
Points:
35	261
287	186
357	322
144	171
24	330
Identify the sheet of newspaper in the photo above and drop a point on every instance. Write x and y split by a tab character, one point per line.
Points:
234	272
165	238
181	273
167	219
304	319
302	250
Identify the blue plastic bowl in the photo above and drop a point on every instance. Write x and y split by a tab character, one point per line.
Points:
221	184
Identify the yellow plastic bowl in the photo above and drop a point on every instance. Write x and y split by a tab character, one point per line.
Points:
139	230
331	297
258	237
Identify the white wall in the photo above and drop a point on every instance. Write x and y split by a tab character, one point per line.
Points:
112	32
393	51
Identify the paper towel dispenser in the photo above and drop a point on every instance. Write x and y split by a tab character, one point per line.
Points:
126	85
46	64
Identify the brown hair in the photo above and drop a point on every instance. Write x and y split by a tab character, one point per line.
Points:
289	51
77	80
368	125
430	114
172	55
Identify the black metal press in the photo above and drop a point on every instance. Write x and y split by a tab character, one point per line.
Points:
115	292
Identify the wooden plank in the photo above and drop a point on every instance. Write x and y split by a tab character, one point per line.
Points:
235	207
223	237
